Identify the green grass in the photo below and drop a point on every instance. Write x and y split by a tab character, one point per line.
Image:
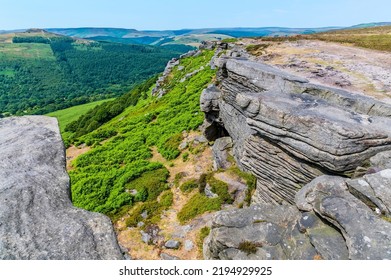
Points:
197	205
69	115
26	51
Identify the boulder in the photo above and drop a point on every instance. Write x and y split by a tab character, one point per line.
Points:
37	218
172	244
220	151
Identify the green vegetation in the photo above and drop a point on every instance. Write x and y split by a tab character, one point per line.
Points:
189	185
250	179
42	73
69	115
99	115
103	178
377	38
204	232
220	188
248	247
197	205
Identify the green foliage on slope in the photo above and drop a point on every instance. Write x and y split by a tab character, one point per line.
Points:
102	176
41	74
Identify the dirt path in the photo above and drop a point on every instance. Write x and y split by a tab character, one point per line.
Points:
72	153
355	69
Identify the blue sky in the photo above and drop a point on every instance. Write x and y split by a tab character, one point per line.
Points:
176	14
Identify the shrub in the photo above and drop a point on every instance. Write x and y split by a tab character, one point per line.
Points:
189	185
197	205
166	199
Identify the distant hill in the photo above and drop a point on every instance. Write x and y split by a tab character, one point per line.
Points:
41	72
191	37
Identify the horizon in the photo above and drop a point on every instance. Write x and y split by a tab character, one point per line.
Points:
152	15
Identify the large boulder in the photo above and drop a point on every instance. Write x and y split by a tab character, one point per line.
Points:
37	219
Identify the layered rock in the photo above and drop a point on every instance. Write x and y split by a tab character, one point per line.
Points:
37	219
287	131
302	142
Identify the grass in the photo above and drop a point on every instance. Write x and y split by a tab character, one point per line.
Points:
69	115
376	38
198	204
204	232
26	51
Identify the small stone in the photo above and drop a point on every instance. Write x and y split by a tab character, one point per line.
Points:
183	145
189	245
208	192
144	214
172	244
140	224
145	237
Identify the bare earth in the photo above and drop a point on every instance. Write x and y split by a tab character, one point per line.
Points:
73	152
354	69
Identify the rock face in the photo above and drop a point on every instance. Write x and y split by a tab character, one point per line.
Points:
37	219
287	130
302	142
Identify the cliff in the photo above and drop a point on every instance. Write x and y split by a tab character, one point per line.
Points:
305	143
37	219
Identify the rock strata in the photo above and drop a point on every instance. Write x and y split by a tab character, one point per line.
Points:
321	157
37	219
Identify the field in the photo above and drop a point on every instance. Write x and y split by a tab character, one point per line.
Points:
68	115
26	51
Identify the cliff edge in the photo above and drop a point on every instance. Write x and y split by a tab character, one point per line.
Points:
37	219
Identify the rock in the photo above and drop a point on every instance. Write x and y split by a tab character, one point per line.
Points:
374	190
200	139
145	237
165	256
189	245
208	191
367	235
172	244
38	220
180	68
144	214
140	224
381	160
287	131
183	145
220	152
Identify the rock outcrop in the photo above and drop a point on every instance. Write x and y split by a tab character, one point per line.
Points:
308	146
37	219
284	127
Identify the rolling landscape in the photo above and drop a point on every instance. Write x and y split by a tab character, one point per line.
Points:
255	144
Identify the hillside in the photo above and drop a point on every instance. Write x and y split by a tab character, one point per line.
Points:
192	37
42	72
150	169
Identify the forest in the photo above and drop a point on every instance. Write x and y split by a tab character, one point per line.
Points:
43	74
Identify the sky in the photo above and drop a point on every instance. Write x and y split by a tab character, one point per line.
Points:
181	14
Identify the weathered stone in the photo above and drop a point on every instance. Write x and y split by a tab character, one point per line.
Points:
381	160
374	190
145	237
183	145
172	244
208	191
37	219
367	236
220	152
